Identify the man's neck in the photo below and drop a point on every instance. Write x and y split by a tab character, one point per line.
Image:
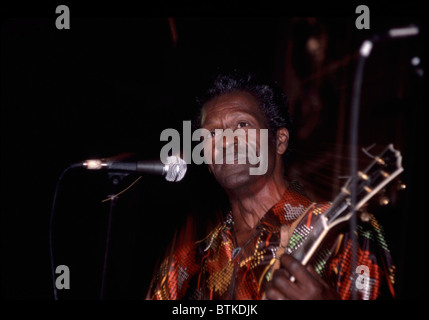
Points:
249	207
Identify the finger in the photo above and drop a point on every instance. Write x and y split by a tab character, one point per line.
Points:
285	272
286	287
295	269
285	266
272	293
314	273
281	279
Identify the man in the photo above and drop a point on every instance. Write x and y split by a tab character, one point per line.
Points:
242	257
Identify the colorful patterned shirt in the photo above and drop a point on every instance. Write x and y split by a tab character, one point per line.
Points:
215	268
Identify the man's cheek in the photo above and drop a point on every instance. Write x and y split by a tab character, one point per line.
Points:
241	149
258	151
208	152
217	155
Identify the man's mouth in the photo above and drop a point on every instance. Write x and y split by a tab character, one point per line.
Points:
235	158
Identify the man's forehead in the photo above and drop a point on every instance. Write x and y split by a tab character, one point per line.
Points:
231	104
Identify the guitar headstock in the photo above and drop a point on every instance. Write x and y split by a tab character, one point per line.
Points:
385	167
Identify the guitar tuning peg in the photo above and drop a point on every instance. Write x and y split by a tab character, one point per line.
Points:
401	185
383	200
364	216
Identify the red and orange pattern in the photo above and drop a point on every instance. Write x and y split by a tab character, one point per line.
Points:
211	269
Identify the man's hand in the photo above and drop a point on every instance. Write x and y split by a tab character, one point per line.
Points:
308	285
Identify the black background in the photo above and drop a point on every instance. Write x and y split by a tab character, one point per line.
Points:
116	79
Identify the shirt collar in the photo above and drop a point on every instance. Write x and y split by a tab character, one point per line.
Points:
285	211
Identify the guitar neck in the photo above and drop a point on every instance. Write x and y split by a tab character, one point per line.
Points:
308	237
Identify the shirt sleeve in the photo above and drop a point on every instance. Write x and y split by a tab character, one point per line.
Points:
374	272
171	280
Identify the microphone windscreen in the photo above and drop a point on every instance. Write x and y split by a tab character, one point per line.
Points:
175	169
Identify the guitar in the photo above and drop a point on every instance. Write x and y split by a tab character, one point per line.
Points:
382	170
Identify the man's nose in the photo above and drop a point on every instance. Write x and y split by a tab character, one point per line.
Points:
229	142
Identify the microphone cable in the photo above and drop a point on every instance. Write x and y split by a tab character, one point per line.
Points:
51	225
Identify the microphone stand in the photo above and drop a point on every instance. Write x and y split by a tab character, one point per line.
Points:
115	179
364	52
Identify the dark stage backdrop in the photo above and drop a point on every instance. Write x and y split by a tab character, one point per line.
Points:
112	83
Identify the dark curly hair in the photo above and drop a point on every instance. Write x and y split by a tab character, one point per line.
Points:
271	99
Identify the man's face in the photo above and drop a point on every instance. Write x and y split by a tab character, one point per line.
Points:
238	110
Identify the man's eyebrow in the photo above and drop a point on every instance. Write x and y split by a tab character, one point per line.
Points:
235	114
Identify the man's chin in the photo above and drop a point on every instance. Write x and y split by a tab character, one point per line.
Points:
234	176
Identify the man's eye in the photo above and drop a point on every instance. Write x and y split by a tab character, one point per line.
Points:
242	124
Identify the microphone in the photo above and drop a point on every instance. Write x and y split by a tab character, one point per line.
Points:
403	32
174	168
394	33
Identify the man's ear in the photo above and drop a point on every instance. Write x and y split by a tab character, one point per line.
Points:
282	140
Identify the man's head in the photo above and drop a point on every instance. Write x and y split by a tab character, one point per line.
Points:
238	101
271	99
